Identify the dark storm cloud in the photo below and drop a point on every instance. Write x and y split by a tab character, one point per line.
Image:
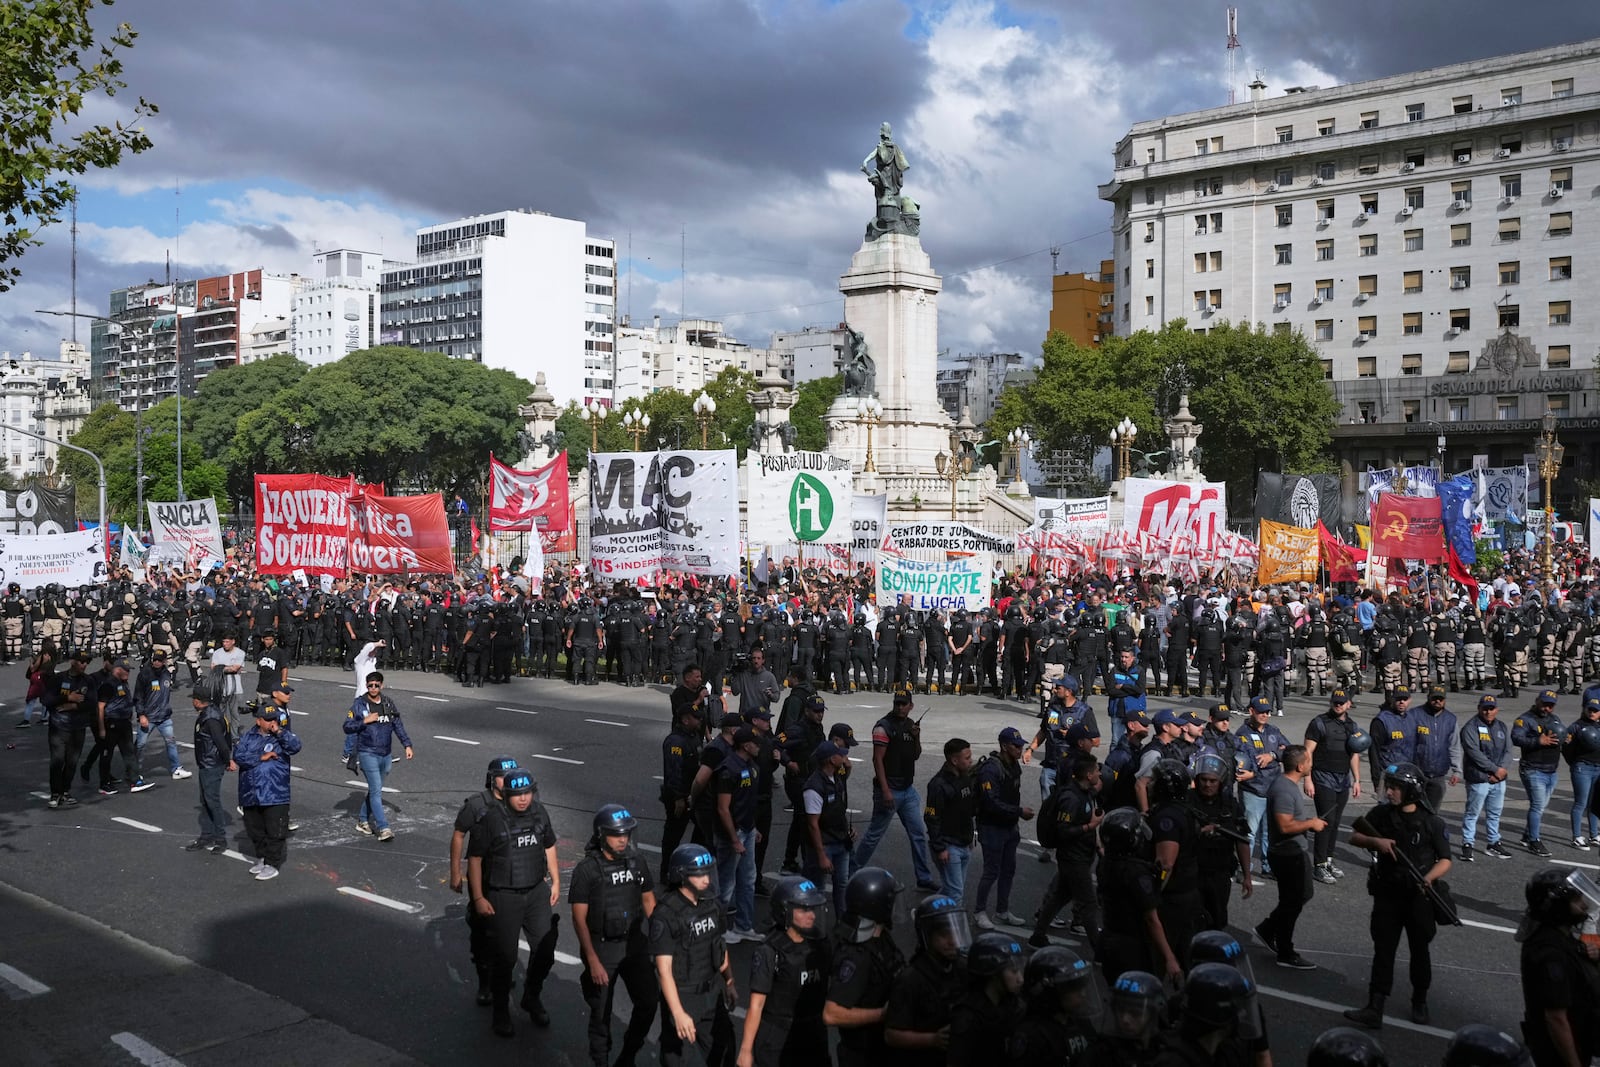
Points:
271	236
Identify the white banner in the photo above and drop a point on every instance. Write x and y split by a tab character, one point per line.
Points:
799	496
1165	509
651	511
1594	527
869	518
72	559
1084	518
192	526
948	536
941	585
1502	493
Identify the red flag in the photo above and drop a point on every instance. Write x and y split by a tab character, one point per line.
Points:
1408	527
476	537
535	500
1459	572
1339	558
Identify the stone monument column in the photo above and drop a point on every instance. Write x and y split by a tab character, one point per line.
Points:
539	416
772	398
1183	438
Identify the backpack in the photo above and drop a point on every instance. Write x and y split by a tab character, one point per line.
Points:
1045	821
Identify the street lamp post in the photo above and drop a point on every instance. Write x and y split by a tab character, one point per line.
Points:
953	467
704	408
140	434
1550	453
1122	438
635	422
868	412
1018	441
592	412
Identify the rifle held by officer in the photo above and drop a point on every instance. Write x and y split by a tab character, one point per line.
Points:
1444	910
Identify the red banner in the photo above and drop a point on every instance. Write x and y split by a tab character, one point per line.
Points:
1408	527
533	500
1339	558
302	523
400	535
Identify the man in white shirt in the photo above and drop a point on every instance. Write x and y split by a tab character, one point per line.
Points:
229	660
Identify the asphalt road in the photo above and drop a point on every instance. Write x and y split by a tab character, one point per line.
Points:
357	954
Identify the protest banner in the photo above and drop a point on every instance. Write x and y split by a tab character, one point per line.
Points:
1166	509
946	536
869	518
69	559
192	527
302	522
37	510
937	585
798	496
651	511
1288	553
535	500
400	535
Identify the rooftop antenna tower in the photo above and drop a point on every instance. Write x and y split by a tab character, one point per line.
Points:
1055	257
1233	51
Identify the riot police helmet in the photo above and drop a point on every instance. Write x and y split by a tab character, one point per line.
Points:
1207	763
799	904
499	767
1124	832
1409	780
1219	946
1345	1046
1482	1045
1551	895
1058	979
870	900
1169	781
993	954
1218	997
1358	740
687	861
520	783
613	820
942	928
1138	1006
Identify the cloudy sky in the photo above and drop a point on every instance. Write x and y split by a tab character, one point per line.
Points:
725	132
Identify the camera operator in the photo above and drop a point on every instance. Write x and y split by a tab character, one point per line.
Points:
755	686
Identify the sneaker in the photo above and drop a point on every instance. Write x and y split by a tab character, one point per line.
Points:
267	874
55	801
180	774
1581	843
108	790
983	921
68	800
1323	875
1060	922
1333	870
1466	854
1263	939
363	827
731	937
1498	851
386	834
1538	849
748	935
1296	962
140	786
24	724
293	826
258	866
1009	918
195	846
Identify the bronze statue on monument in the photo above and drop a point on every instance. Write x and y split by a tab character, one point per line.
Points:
886	168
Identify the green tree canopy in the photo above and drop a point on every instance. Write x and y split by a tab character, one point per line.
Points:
111	433
226	396
1260	396
50	67
811	403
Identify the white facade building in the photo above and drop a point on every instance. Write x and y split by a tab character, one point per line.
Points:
336	310
520	290
684	356
1401	223
812	351
47	396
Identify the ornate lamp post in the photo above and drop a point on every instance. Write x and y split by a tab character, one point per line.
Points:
953	467
1122	439
704	408
1018	441
635	422
868	412
1550	453
593	412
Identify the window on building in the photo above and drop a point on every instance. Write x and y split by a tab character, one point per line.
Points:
1325	289
1324	329
1411	281
1367	285
1327	369
1510	316
1505	407
1366	366
1560	88
1200	300
1460	234
1369	203
1458	363
1200	228
1368	409
1127	275
1456	410
1216	298
1149	155
1460	105
1209	186
1413	240
1461	151
1415	112
1284	254
1216	144
1149	305
1560	268
1510	229
1411	362
1282	294
1368	243
1416	158
1126	314
1199	262
1149	231
1283	177
1411	410
1561	224
1324	127
1460	277
1561	313
1510	186
1561	138
1367	163
1150	195
1149	268
1285	214
1281	329
1411	322
1327	170
1202	147
1560	403
1325	210
1561	178
1461	319
1511	272
1414	198
1325	249
1461	194
1558	357
1369	120
1216	261
1511	96
1367	325
1285	134
1511	143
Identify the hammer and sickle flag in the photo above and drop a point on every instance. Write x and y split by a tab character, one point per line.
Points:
1408	527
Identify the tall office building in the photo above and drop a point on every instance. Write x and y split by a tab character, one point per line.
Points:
1425	231
49	397
1081	304
520	290
683	356
335	311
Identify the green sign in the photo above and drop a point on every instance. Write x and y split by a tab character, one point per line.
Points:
810	507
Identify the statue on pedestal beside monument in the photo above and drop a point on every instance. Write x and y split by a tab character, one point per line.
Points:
886	169
860	373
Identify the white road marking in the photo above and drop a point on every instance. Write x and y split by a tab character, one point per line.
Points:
397	905
1489	926
1564	863
143	1051
436	700
185	744
292	678
1313	1002
294	712
146	827
519	711
292	767
363	785
607	722
240	856
25	985
565	957
648	848
40	796
657	777
457	740
558	759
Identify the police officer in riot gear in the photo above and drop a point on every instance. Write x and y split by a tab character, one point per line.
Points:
1344	1046
472	812
1482	1045
1560	979
612	896
692	965
993	1004
866	962
917	1018
511	855
788	979
1062	1005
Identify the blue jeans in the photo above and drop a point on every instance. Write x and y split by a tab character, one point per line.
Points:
954	871
1118	728
907	805
999	844
839	855
374	768
736	878
1584	822
1047	781
1539	785
1487	798
1255	811
165	730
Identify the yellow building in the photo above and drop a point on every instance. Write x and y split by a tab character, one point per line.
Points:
1081	304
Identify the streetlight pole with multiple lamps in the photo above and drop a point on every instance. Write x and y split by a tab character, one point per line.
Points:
1550	452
